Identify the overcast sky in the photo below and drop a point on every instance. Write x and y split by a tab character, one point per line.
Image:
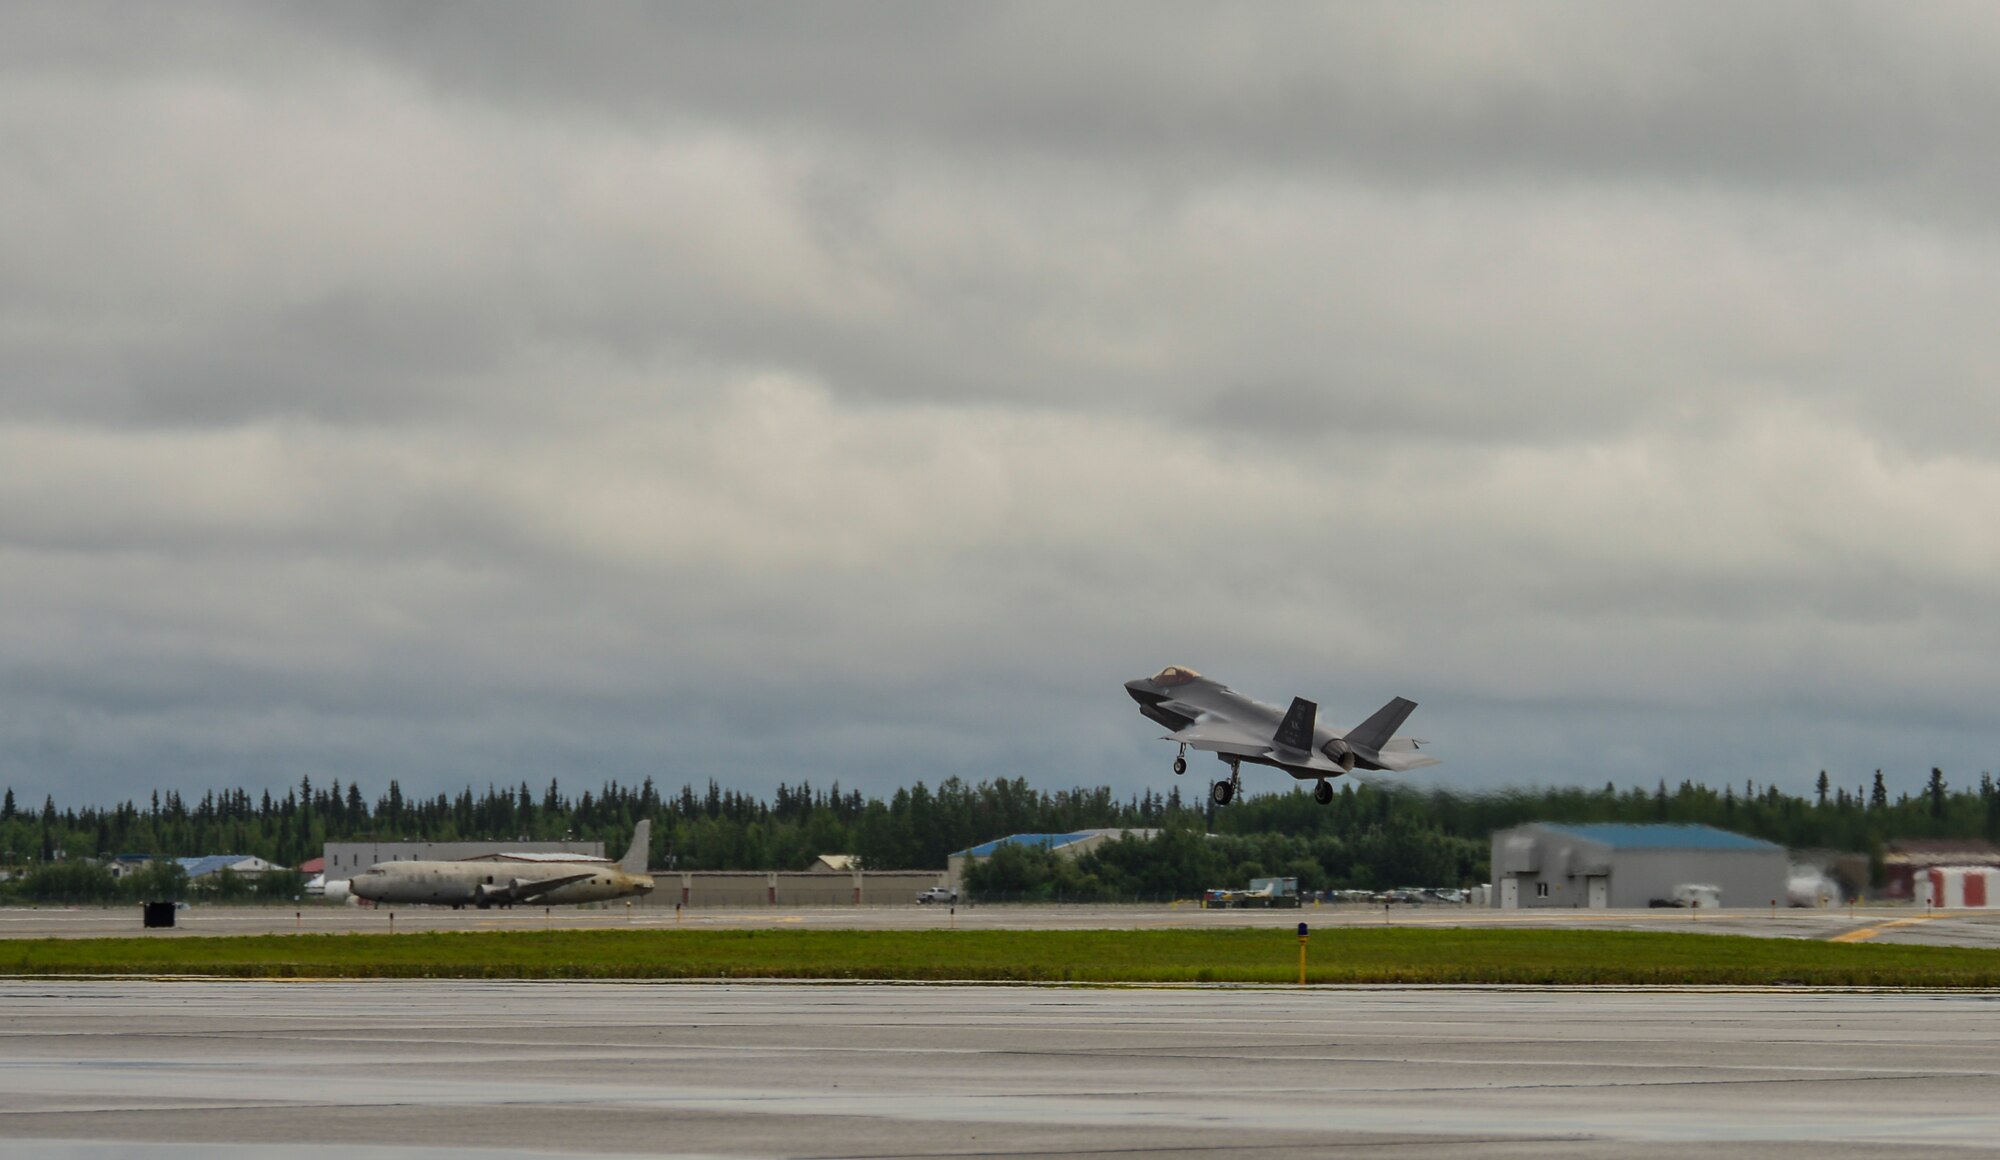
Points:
830	392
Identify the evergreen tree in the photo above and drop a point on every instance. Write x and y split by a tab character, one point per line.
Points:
1822	787
1878	798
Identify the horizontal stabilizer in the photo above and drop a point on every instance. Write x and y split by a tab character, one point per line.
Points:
1371	735
1295	732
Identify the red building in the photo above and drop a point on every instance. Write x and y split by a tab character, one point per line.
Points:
1905	858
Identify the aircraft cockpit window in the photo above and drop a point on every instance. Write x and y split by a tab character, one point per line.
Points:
1175	675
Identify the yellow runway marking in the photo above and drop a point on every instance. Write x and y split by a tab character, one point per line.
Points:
1868	932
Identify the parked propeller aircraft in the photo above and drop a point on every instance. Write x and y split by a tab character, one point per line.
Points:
1204	714
507	879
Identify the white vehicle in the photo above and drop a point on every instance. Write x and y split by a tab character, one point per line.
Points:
1697	896
938	894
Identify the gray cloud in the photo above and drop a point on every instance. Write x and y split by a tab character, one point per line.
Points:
863	393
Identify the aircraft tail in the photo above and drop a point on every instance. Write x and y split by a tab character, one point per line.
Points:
634	861
1295	732
1371	735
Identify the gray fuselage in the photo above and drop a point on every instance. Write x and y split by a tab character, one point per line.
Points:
497	883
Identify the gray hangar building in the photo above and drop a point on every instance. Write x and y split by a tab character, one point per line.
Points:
1593	866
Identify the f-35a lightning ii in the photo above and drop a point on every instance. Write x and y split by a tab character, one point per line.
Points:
1208	715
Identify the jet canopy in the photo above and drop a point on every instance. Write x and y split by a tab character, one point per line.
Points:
1175	675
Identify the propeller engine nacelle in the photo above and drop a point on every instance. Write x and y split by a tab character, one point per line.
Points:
497	892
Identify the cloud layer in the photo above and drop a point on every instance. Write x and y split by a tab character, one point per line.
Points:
482	396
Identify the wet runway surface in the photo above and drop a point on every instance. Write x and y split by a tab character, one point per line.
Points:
444	1069
1883	924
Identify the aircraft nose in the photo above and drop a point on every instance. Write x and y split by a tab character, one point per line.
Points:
1146	691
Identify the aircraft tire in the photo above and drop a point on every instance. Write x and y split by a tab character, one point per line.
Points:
1222	792
1180	765
1323	793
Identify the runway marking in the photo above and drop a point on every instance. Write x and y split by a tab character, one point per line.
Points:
1868	932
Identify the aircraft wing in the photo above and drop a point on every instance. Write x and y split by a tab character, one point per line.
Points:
1219	736
1227	738
1404	753
520	891
1402	762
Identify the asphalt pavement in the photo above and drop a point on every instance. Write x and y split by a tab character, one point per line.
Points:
1884	924
441	1070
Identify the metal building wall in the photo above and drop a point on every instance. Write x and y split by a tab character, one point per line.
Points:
757	888
1745	877
1534	854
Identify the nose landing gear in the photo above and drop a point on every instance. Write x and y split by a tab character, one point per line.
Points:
1180	761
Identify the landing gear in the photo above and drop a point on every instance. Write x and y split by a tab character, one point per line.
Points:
1180	761
1323	793
1224	792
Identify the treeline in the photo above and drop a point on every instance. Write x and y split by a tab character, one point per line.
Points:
1368	837
708	829
83	880
1374	839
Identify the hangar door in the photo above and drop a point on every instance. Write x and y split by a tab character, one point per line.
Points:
1600	891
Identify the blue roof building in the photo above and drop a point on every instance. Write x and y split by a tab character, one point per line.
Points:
1042	841
1628	836
1069	845
1607	865
246	864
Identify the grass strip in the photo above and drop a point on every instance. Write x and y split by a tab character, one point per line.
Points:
1558	957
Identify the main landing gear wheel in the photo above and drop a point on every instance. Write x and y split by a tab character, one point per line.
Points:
1323	793
1222	792
1180	765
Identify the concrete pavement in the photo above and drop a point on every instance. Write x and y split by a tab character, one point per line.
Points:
294	1069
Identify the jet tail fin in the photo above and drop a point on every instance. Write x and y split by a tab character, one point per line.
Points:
1295	732
1371	735
634	861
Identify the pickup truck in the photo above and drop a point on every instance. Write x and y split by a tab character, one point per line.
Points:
938	894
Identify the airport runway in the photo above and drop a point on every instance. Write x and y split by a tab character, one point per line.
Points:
444	1069
1884	924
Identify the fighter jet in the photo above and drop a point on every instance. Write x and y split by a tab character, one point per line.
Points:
507	879
1208	715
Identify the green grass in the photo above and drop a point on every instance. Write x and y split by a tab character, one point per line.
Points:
1391	955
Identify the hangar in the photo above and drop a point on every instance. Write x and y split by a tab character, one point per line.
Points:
1072	845
1544	864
